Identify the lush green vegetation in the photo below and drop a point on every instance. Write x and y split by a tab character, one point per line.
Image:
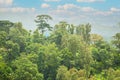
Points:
69	53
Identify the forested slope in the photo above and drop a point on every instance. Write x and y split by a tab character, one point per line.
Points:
70	52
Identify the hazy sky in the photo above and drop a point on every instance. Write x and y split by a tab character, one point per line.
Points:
103	15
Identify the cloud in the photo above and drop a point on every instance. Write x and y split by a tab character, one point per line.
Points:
72	10
17	10
6	2
64	13
44	5
108	12
67	6
103	13
114	9
87	9
90	0
52	0
75	7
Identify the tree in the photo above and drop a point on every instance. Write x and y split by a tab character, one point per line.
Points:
94	38
42	23
110	74
116	41
72	74
48	60
3	38
113	74
61	73
103	56
71	29
5	25
60	30
37	37
33	48
12	51
80	51
5	70
24	69
67	58
69	53
84	31
87	60
72	42
18	35
62	25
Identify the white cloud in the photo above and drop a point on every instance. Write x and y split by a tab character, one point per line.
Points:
6	2
108	12
103	13
67	6
75	7
114	9
72	10
87	9
62	12
52	0
17	10
90	0
44	5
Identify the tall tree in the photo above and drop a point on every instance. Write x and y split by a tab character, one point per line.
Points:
116	41
84	31
42	23
60	30
71	29
87	59
37	37
62	25
48	61
72	42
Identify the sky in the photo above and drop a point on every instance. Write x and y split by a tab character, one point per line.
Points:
103	15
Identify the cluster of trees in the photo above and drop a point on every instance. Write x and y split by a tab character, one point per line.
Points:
69	53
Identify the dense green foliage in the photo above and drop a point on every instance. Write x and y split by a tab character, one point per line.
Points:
69	52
